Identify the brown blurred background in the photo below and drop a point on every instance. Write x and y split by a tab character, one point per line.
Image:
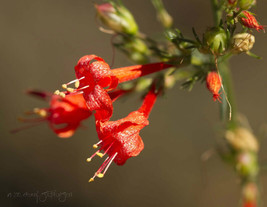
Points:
41	41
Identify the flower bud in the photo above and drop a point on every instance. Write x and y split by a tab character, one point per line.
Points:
163	16
215	40
250	192
243	42
247	19
247	164
242	139
232	2
246	4
135	49
214	84
117	18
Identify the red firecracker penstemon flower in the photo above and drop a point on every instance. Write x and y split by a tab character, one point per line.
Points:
94	75
214	83
120	139
248	20
64	114
96	79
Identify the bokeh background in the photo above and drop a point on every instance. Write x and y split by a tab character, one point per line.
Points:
41	41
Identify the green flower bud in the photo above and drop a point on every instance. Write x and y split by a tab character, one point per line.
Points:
215	40
246	4
163	16
117	18
247	164
136	49
243	42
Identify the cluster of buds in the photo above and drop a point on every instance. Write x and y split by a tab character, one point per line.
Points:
120	21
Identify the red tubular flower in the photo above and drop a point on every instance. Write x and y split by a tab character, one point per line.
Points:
64	114
120	139
94	75
136	71
248	20
214	83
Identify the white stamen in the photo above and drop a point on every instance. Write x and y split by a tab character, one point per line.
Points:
110	163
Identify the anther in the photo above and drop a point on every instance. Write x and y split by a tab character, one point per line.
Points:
64	86
100	175
62	94
91	180
96	145
70	89
57	92
77	83
100	154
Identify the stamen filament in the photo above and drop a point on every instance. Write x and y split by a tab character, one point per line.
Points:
113	157
74	81
90	158
108	148
99	170
96	145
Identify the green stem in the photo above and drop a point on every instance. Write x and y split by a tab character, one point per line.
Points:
217	12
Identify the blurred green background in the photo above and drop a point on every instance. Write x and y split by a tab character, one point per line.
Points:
41	41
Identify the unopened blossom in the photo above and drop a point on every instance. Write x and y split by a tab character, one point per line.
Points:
242	139
117	17
243	42
215	41
250	193
120	139
232	2
248	20
246	4
214	83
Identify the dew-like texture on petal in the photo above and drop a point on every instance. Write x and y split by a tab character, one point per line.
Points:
97	75
122	136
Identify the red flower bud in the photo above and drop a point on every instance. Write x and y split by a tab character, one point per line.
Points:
248	20
214	83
